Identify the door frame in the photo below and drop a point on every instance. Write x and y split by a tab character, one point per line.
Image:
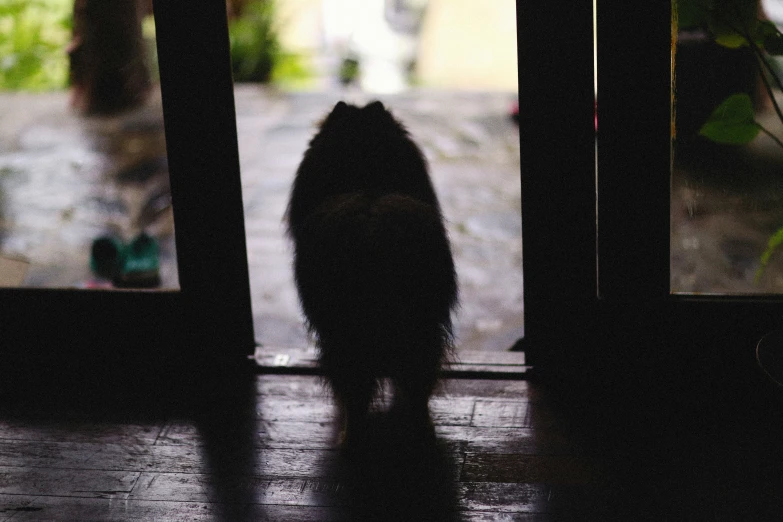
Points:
598	309
557	154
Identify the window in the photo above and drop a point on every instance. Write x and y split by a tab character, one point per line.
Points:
58	326
726	192
83	169
616	224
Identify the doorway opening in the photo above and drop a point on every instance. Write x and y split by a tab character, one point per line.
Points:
448	71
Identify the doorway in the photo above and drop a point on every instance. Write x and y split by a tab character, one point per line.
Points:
457	100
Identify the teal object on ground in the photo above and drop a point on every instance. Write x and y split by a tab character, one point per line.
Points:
141	264
135	265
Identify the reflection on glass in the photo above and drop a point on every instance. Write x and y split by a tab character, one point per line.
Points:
448	71
84	186
727	177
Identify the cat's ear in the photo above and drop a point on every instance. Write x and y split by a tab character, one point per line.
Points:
338	113
375	107
340	108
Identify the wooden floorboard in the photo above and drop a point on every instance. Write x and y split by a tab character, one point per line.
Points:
20	508
504	450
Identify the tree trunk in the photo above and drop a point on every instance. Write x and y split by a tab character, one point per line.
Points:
108	68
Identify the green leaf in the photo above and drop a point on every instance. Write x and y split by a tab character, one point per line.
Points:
773	243
33	35
731	40
733	122
255	45
733	21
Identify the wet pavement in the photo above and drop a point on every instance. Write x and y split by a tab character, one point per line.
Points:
473	150
65	181
726	205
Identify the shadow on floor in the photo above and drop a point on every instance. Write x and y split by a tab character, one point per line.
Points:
106	419
397	474
93	404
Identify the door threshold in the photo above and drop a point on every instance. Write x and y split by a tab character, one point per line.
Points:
471	364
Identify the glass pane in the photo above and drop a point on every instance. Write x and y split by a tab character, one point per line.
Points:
727	178
84	185
448	72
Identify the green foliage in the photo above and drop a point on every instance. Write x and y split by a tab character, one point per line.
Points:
349	70
291	70
732	23
254	42
773	243
733	122
33	38
691	13
256	52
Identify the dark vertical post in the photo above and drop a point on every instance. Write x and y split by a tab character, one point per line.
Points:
634	170
556	100
198	105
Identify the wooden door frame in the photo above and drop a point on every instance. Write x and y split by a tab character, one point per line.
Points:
598	309
557	153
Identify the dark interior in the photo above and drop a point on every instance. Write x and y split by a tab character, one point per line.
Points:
636	404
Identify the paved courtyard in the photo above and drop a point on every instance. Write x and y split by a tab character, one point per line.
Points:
473	150
65	181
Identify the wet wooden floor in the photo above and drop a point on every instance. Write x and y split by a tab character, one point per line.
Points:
261	447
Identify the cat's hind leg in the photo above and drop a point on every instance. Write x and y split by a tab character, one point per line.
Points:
354	397
354	387
413	387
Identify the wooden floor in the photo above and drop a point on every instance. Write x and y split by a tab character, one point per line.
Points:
261	447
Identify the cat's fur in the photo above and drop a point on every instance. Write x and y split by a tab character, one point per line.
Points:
372	262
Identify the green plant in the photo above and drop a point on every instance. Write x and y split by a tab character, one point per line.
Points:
256	52
254	42
734	24
291	70
33	38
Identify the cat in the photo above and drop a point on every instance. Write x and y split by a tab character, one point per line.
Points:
372	264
